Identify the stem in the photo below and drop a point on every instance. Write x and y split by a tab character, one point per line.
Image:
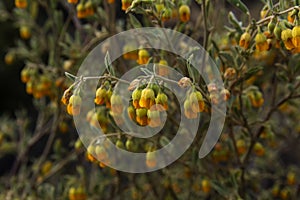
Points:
267	19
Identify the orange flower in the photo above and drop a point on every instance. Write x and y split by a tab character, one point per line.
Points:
153	118
162	99
162	68
116	104
126	4
110	1
245	40
100	96
147	98
261	42
73	1
141	116
287	37
196	101
151	159
188	111
296	36
81	11
184	13
25	32
21	3
89	8
143	57
136	96
259	149
73	108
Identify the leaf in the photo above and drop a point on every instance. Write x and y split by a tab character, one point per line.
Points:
219	188
240	5
228	56
189	67
134	21
233	20
164	141
270	4
107	62
70	76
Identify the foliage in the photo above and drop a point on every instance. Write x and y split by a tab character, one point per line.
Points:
257	58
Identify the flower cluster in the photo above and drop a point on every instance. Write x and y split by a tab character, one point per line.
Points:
84	8
278	30
147	105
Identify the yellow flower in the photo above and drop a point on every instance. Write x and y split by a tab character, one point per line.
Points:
147	98
81	11
21	3
100	96
291	178
153	118
261	42
256	99
196	101
25	75
89	8
131	112
116	104
151	159
287	36
259	149
162	99
296	36
245	40
46	167
126	4
188	111
66	96
205	186
130	52
107	99
9	58
184	13
74	105
136	96
143	57
162	68
291	17
241	146
25	32
141	116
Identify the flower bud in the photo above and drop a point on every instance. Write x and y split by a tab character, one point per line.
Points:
147	98
184	13
261	42
245	40
230	73
143	57
296	36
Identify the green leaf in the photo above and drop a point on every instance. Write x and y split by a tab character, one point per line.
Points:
189	67
240	5
233	20
270	4
107	62
228	56
134	21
